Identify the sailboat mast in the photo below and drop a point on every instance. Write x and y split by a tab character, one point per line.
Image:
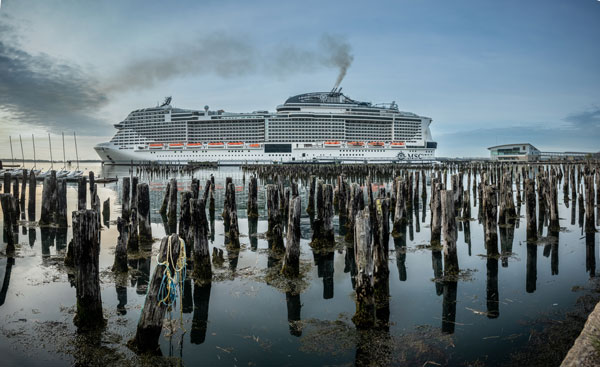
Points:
51	159
22	155
34	159
76	152
12	158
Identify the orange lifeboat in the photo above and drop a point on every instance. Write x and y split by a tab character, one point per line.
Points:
332	144
356	144
194	145
235	144
176	145
216	145
376	144
254	146
397	144
155	146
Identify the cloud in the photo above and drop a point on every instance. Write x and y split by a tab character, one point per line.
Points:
589	119
43	91
229	56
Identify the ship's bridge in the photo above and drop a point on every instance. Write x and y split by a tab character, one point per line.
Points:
333	99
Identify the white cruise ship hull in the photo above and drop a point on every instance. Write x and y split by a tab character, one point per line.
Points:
112	154
310	127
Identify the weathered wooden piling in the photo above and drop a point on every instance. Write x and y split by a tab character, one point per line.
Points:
165	202
143	215
323	235
125	199
49	199
133	243
490	210
400	211
8	203
207	190
231	208
253	198
61	205
120	264
355	204
274	220
32	194
436	211
81	193
553	203
310	207
106	211
185	221
7	179
530	209
172	206
195	188
199	234
364	317
151	320
291	261
86	250
449	233
23	189
589	204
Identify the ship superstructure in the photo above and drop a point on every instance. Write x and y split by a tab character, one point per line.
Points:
321	126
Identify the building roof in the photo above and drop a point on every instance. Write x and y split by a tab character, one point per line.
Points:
510	145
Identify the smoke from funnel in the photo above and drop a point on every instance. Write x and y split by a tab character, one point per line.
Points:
339	55
229	56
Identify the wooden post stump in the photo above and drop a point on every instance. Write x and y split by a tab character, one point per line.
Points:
81	193
275	225
151	320
253	198
291	261
449	231
49	199
530	209
199	233
86	250
32	193
61	205
143	214
436	212
120	264
172	206
125	199
364	317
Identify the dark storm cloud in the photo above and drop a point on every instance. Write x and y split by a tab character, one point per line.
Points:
42	91
231	56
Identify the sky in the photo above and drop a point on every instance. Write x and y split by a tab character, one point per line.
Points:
486	72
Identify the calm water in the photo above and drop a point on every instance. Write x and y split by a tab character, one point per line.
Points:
244	319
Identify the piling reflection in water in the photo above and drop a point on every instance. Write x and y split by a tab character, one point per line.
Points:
350	265
32	236
252	232
507	235
200	316
590	254
122	298
294	305
324	262
492	297
10	261
449	307
48	234
400	248
436	263
531	275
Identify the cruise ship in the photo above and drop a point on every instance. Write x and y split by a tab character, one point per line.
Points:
310	127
